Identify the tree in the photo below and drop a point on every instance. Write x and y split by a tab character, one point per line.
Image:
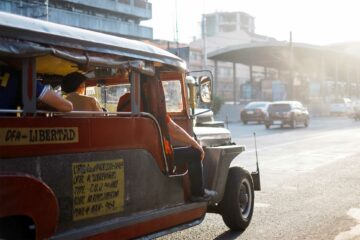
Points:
216	105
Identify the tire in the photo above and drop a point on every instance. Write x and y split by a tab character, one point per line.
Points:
306	123
18	227
237	205
293	123
267	126
245	122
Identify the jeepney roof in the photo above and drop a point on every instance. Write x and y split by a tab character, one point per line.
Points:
42	32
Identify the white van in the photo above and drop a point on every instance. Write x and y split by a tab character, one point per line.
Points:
340	106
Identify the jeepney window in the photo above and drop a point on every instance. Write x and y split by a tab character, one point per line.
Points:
173	96
108	96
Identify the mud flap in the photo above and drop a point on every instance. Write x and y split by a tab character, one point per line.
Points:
256	180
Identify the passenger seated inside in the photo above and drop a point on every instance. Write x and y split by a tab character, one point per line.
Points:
73	85
124	104
11	92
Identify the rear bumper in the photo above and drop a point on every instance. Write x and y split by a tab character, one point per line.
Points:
278	120
252	117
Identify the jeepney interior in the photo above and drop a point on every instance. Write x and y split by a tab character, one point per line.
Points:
108	79
94	174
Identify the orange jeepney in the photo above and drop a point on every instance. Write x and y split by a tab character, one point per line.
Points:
105	175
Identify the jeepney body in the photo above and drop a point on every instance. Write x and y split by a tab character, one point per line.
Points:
106	175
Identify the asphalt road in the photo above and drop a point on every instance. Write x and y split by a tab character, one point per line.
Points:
310	183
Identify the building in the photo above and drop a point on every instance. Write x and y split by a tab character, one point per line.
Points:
220	30
116	17
227	22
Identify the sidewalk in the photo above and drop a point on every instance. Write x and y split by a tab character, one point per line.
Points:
229	112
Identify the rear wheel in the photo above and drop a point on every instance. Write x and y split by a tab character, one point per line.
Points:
238	203
17	227
245	122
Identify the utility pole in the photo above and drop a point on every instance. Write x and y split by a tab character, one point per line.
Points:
291	68
204	41
176	30
47	9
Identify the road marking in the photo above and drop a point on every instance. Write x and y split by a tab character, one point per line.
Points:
354	232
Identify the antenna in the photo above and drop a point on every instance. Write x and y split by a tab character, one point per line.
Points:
256	175
256	154
204	33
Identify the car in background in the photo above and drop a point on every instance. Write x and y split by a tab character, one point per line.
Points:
205	118
287	113
340	107
254	112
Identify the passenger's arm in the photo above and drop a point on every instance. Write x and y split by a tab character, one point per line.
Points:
178	133
58	102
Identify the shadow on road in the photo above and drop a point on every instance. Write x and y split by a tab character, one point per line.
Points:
228	235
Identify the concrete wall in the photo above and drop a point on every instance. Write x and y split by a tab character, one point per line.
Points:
230	112
97	22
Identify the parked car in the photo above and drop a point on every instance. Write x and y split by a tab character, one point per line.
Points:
340	106
287	113
254	111
355	110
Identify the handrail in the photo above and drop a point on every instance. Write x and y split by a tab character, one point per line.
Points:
11	111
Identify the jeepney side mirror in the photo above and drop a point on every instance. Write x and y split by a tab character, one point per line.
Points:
205	90
200	91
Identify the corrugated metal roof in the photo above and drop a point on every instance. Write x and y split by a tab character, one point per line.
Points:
277	54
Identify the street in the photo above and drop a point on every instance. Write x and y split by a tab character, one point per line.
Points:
310	183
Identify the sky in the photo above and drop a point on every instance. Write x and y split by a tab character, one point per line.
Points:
318	22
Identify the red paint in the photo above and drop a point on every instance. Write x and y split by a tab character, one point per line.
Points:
153	225
95	134
40	202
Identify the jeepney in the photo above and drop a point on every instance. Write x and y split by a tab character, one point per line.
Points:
105	175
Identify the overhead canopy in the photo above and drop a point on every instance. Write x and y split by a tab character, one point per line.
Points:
280	55
30	36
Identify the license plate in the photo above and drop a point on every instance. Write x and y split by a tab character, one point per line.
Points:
250	112
277	122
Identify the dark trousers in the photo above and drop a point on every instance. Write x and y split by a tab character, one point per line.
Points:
191	157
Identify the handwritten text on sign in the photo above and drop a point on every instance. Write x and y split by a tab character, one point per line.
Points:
98	188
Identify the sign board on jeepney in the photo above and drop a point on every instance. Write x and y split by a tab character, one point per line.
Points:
98	188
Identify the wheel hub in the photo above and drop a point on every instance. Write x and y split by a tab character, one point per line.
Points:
243	198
